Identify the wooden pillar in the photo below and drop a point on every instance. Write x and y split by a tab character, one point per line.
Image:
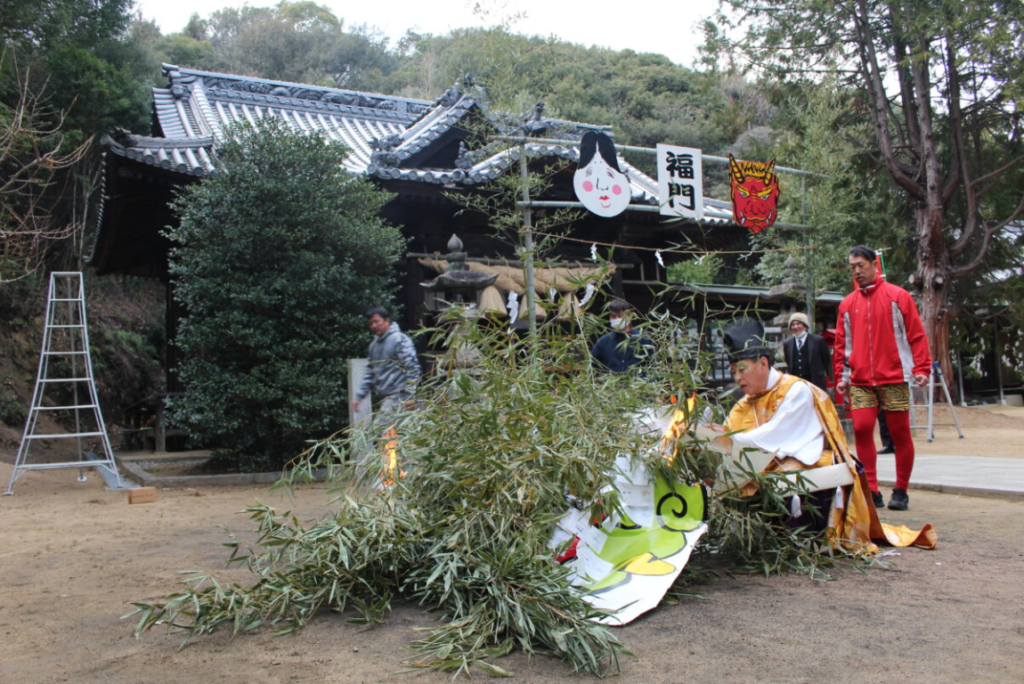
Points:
160	426
617	283
413	294
172	354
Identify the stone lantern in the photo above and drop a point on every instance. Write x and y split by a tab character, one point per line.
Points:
453	286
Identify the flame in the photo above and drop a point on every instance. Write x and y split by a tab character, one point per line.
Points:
677	426
387	473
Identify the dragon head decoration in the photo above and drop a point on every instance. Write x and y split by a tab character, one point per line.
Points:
755	193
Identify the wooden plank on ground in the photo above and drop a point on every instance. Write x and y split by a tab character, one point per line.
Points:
142	495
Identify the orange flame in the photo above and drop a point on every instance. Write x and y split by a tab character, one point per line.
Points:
387	474
677	426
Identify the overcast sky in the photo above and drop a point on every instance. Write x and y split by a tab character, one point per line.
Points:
643	25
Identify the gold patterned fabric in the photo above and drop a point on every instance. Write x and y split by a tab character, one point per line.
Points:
853	521
894	397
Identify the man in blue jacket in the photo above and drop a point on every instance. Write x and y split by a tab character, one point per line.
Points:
394	369
623	347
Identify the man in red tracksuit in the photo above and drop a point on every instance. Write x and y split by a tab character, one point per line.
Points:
880	347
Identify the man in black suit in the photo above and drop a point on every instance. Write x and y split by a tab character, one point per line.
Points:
807	355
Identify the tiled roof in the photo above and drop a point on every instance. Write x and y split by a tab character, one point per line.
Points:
383	132
199	106
189	156
439	120
483	171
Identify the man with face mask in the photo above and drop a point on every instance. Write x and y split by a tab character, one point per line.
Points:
623	347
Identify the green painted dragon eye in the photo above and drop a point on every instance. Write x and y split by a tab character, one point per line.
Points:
681	509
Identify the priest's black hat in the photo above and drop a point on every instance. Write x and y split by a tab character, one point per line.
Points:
744	339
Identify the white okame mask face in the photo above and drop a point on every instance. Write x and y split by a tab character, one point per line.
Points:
601	188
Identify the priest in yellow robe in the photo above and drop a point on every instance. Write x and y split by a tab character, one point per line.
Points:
797	423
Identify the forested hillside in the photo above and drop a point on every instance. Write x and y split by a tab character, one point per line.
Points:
645	96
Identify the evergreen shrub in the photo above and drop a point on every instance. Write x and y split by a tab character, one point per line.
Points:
276	259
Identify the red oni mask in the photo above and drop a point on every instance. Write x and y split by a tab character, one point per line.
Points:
755	193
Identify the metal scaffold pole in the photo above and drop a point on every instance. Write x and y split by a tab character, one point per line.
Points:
527	240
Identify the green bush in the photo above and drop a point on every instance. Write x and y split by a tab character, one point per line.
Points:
276	259
703	271
12	406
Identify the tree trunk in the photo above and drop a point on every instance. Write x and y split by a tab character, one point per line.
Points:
932	281
935	315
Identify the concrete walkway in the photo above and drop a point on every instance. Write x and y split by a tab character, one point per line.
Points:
1000	478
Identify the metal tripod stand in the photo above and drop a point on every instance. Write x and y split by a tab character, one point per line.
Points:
930	426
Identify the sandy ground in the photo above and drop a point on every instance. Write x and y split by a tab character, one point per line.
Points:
992	431
73	555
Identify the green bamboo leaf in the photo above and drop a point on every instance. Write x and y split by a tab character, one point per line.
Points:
492	670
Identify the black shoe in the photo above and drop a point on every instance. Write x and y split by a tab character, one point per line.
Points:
877	498
899	501
887	449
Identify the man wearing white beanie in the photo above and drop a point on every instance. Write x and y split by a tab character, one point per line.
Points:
807	354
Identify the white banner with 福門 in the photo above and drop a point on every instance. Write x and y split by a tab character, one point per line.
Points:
680	181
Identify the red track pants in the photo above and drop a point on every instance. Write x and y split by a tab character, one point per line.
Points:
864	420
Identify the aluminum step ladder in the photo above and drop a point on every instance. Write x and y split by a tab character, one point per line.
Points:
66	344
930	404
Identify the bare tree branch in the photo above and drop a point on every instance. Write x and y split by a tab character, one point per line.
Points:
877	98
31	155
982	252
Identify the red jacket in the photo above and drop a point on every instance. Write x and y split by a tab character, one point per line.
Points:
879	337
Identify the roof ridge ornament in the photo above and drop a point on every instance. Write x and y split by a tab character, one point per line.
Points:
171	71
465	86
123	137
174	75
533	122
480	91
451	96
231	83
384	154
466	158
